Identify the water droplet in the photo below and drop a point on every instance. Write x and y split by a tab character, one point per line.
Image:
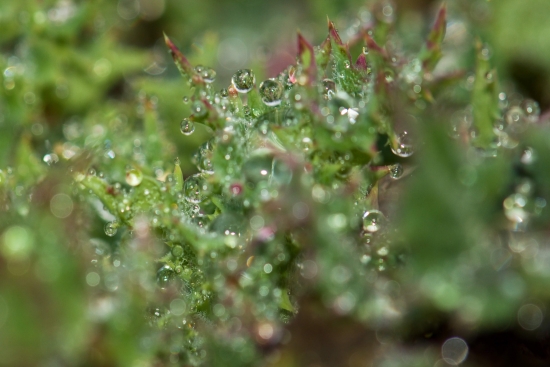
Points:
531	109
111	228
514	115
164	275
177	251
186	100
208	75
373	220
243	80
403	145
187	127
365	50
50	159
516	119
396	171
134	177
528	156
329	88
389	75
199	110
271	91
514	208
196	188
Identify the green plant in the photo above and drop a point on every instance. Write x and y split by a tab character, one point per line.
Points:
382	197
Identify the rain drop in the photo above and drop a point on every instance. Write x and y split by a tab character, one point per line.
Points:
243	80
271	91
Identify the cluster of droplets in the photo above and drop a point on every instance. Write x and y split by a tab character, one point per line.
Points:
516	120
522	205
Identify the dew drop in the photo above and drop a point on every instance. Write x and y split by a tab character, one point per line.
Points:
243	80
329	88
528	156
187	127
50	159
196	188
271	91
531	109
208	75
514	115
403	145
373	220
177	251
164	275
514	208
396	171
134	177
199	110
111	228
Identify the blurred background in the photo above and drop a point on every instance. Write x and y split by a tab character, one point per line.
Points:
67	64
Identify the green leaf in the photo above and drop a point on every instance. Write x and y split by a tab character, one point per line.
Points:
306	59
484	98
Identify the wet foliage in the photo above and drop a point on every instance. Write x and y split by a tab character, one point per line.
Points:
373	203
